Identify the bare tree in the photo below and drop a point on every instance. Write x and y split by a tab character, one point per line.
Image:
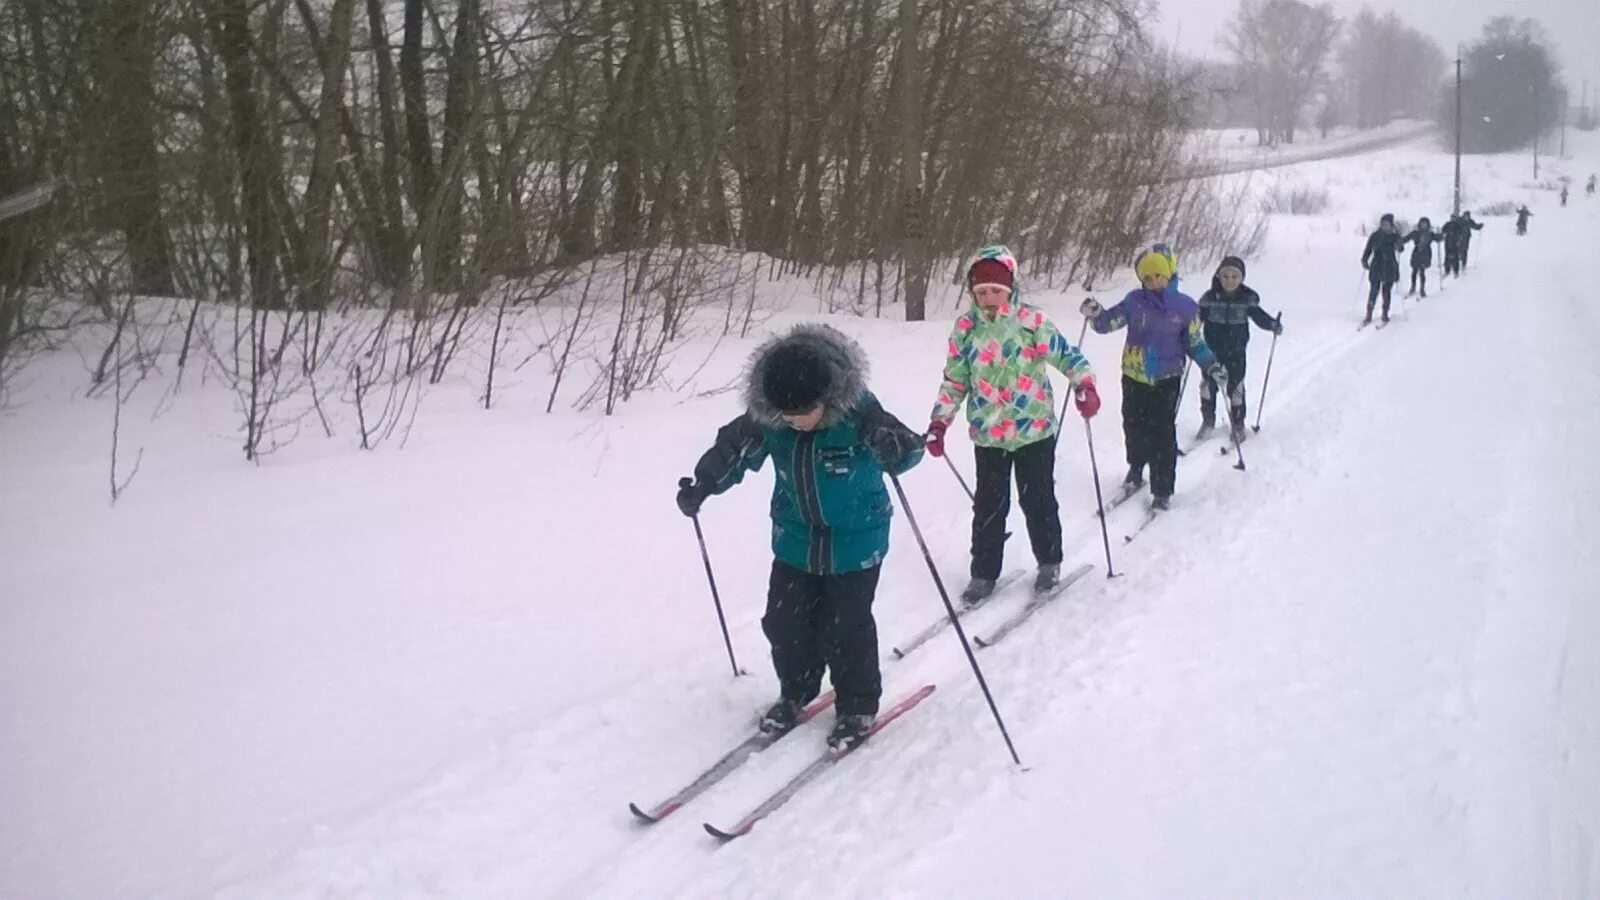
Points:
1281	49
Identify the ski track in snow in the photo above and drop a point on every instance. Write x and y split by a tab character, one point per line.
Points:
1367	666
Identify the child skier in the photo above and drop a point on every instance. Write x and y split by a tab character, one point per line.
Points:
1452	231
1522	220
1421	240
998	354
1383	270
1163	332
1588	189
1468	226
1227	310
809	410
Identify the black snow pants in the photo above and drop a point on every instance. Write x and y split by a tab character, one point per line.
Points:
817	622
1419	275
1387	287
1150	430
1035	468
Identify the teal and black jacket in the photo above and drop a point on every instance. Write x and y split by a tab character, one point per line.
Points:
830	509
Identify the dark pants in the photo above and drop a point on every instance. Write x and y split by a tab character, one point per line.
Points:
1150	430
1465	246
1452	262
1035	467
1232	359
1419	274
1387	287
817	622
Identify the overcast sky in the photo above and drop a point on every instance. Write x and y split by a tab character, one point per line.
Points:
1573	26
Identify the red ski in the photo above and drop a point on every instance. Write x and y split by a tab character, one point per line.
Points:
725	766
817	767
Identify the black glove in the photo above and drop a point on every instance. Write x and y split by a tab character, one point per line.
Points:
690	495
889	445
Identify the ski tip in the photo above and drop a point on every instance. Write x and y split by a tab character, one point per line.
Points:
726	836
898	653
980	642
653	816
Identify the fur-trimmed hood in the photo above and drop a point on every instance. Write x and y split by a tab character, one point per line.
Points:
842	358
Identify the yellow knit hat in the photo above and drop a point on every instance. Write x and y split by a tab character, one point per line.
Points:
1153	263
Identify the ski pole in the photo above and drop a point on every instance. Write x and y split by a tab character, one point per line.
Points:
1183	388
1099	499
1234	433
957	473
715	597
1262	402
950	611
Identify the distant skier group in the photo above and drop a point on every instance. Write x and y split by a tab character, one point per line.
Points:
808	409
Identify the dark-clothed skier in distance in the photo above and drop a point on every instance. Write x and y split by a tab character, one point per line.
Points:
1383	268
1421	240
1522	220
808	410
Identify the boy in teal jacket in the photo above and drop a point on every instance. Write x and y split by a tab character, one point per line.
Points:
998	362
809	410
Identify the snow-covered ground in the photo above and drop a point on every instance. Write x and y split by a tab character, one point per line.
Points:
1369	666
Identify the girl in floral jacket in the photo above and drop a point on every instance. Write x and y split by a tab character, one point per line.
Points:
998	354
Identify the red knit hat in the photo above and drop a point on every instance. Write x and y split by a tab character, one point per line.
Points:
989	271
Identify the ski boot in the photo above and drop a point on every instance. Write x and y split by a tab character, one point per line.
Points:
1049	576
783	715
849	731
977	591
1134	479
1161	503
1206	427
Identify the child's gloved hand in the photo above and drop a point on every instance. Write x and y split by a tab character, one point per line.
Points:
1091	308
890	445
935	437
1218	373
690	496
1087	399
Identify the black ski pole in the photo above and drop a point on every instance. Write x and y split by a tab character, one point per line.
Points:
1099	499
1183	388
957	473
1234	433
1262	401
955	621
715	597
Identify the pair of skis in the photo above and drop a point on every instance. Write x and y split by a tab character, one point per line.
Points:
733	759
904	648
1037	600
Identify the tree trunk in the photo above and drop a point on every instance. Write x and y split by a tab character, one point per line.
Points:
314	282
257	166
913	242
125	65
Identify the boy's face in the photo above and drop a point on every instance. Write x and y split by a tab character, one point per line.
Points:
1230	277
1157	282
990	297
805	421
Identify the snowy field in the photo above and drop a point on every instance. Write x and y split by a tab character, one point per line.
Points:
1369	666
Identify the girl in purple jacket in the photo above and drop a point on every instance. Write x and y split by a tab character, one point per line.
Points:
1163	334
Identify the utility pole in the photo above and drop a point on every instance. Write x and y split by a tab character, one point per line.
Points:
1537	126
1458	131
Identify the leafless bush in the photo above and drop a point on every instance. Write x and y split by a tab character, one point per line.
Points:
1499	208
1299	200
